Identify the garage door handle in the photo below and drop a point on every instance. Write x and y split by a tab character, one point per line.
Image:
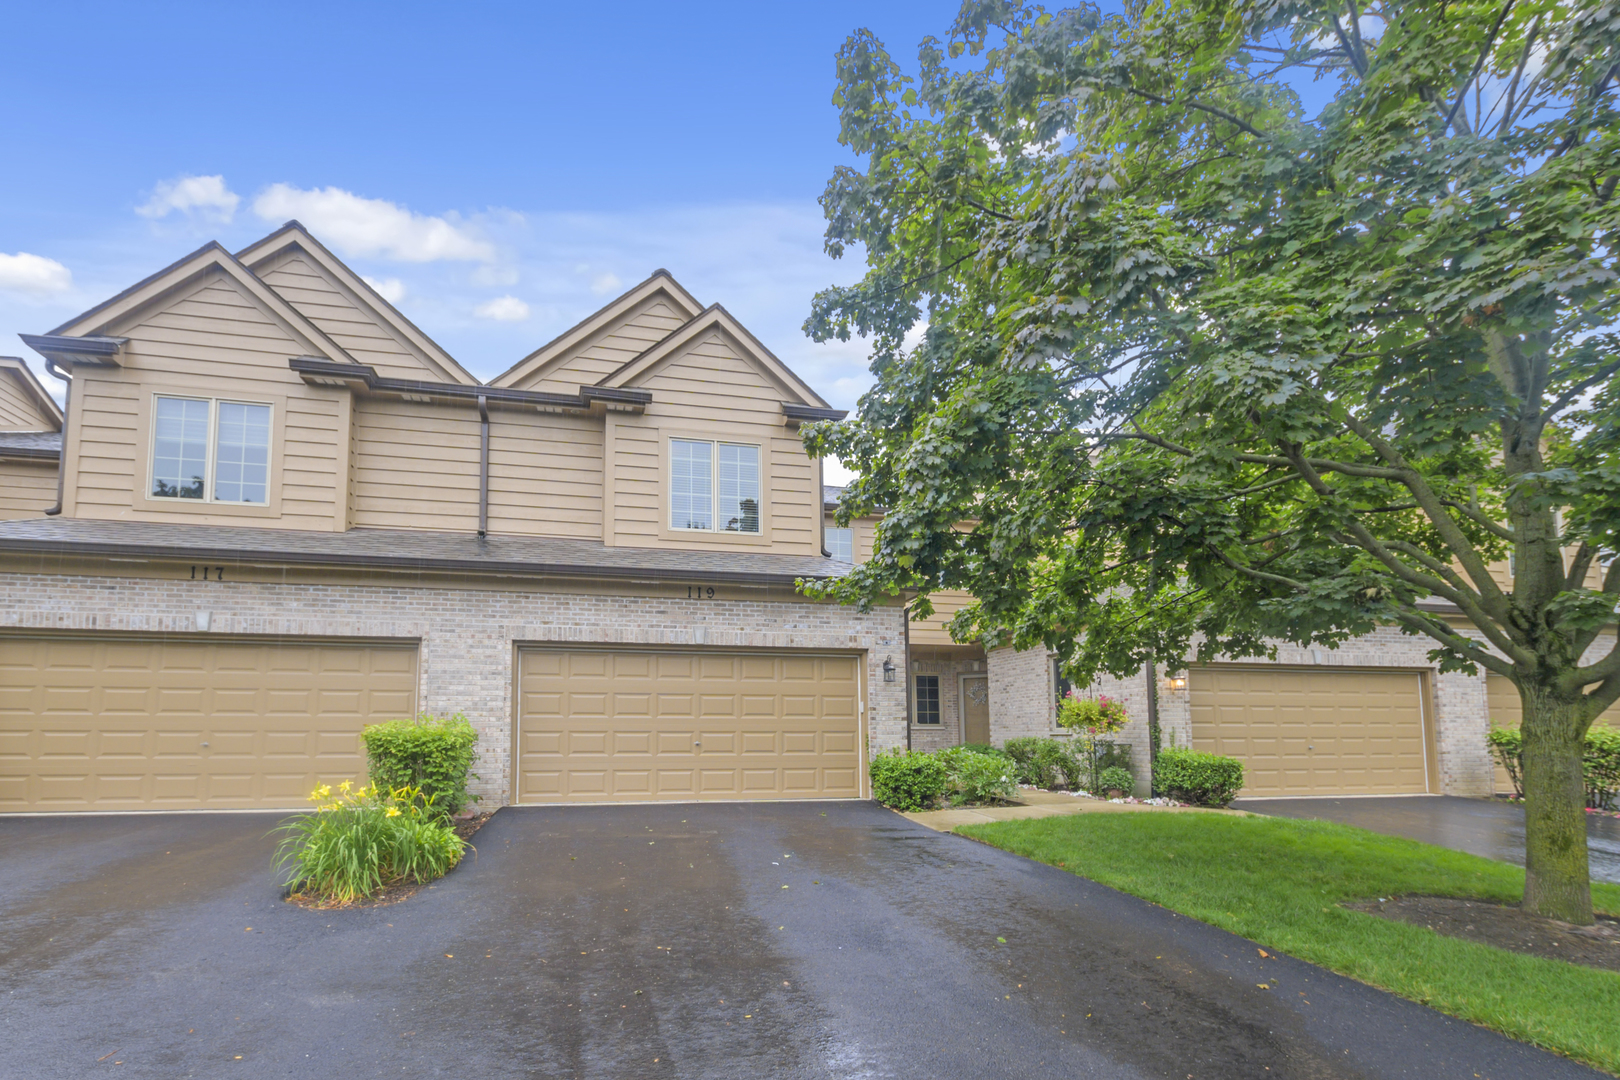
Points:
205	744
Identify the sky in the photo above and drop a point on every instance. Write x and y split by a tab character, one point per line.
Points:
499	171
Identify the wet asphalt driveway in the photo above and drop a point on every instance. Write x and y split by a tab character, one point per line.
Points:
787	940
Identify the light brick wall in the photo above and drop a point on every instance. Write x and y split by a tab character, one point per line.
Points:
948	732
467	635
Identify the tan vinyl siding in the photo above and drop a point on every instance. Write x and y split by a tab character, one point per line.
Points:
357	331
711	391
545	475
26	488
608	350
18	411
415	465
1507	711
211	341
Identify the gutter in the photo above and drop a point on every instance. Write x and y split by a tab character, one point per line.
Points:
483	466
67	418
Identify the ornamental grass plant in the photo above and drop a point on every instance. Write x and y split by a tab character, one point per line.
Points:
359	841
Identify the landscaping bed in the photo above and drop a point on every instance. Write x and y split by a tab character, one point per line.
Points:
397	891
1506	927
1289	885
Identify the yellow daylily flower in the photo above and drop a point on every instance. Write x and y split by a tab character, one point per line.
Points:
344	786
393	811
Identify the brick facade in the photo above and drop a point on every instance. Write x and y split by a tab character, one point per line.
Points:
948	732
467	634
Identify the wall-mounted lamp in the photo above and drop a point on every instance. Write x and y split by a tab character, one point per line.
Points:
888	669
1178	682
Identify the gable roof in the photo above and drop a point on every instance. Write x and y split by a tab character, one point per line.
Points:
32	390
367	299
211	257
562	347
715	317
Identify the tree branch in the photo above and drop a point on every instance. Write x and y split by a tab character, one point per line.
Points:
1194	103
1448	637
1484	53
1577	390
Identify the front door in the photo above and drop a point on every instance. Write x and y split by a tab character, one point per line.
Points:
975	709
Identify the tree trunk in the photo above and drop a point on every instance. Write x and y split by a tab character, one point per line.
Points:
1557	878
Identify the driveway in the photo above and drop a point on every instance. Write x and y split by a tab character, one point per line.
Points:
1493	828
788	940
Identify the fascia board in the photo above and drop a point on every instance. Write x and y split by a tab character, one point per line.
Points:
714	317
32	387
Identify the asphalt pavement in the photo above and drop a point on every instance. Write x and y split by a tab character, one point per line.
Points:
830	940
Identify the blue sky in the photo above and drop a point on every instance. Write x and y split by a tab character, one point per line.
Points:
502	168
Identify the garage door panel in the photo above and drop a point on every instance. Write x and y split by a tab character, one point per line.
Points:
99	723
1314	731
687	725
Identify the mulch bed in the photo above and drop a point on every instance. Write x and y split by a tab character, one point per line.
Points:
397	892
1505	927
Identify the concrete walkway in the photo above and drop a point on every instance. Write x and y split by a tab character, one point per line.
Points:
1493	828
1039	804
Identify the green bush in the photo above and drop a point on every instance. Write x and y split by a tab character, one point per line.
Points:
1040	761
357	842
907	781
1115	778
985	748
974	778
431	754
1600	763
1191	776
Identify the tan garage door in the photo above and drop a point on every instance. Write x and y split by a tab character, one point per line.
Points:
133	723
630	726
1507	711
1310	731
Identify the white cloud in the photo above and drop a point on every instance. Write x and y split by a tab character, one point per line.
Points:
204	197
360	226
33	274
503	309
390	289
603	284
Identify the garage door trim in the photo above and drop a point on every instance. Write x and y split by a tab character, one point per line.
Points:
863	705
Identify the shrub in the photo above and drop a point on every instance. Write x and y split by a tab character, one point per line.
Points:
1101	715
1600	763
907	781
1192	776
1075	765
430	754
1115	778
975	778
1039	761
985	748
356	842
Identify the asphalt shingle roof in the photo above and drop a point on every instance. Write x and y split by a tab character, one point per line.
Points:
405	549
32	443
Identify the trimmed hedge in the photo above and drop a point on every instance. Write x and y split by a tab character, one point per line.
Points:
975	779
1192	776
1600	763
1115	778
1039	761
430	754
905	780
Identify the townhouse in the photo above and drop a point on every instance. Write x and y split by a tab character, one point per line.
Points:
273	511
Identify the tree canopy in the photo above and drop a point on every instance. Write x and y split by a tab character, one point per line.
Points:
1207	370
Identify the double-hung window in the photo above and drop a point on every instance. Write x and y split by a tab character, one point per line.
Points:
714	486
927	699
210	450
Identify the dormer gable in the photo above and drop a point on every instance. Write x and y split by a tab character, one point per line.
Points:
604	341
339	301
25	404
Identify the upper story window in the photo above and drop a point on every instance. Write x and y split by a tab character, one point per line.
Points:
713	486
211	450
841	544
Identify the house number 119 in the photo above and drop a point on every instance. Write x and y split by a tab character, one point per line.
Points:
700	592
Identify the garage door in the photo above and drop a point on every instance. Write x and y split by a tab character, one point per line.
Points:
131	723
1309	731
631	726
1507	711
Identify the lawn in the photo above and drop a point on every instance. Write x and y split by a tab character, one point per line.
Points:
1279	882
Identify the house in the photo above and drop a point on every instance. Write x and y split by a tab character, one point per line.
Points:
1373	717
285	512
274	511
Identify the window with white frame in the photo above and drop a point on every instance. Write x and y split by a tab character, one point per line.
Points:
927	699
210	450
841	544
714	486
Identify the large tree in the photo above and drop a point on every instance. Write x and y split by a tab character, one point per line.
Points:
1209	369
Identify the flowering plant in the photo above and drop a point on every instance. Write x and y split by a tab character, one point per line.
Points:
1101	715
360	839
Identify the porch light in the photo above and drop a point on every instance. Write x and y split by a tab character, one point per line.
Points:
1178	682
888	669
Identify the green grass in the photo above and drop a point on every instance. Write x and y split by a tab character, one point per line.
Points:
1279	882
